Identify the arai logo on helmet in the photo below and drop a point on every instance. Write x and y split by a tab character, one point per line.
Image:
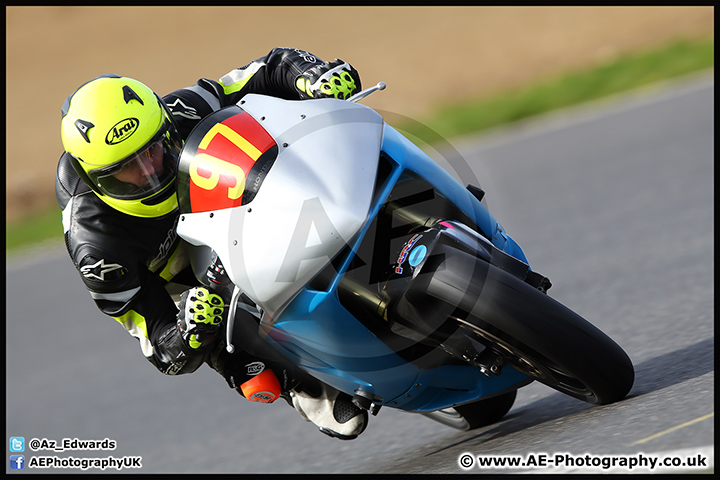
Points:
122	131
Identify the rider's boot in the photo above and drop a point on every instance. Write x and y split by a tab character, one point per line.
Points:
331	410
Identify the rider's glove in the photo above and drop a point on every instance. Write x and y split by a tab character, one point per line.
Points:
335	79
198	320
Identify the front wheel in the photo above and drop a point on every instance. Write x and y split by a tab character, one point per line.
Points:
532	332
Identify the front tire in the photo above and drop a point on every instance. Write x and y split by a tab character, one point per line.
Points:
534	333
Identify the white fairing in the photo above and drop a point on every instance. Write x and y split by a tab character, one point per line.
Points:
315	198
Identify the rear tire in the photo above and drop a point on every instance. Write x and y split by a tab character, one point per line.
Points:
479	413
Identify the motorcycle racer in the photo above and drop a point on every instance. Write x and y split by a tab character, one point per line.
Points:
115	185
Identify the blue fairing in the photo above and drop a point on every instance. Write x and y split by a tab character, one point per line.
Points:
319	334
410	157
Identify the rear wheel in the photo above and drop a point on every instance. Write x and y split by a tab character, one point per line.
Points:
479	413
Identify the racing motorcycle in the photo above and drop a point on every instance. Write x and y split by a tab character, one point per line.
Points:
372	269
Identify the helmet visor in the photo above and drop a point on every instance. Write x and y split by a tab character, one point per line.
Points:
144	173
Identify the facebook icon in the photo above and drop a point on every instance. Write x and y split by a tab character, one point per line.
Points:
17	462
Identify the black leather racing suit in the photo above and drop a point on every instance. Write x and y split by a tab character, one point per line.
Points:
131	265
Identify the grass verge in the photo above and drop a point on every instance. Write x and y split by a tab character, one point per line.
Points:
619	75
473	115
34	229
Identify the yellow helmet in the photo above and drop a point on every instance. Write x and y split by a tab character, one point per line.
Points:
123	143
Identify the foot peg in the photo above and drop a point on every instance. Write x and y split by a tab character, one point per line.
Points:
366	401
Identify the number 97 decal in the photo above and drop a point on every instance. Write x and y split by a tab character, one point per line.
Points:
225	155
215	165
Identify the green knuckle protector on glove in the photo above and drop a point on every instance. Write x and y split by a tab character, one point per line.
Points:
336	79
200	315
207	307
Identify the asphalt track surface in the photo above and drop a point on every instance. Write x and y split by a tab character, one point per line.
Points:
612	201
